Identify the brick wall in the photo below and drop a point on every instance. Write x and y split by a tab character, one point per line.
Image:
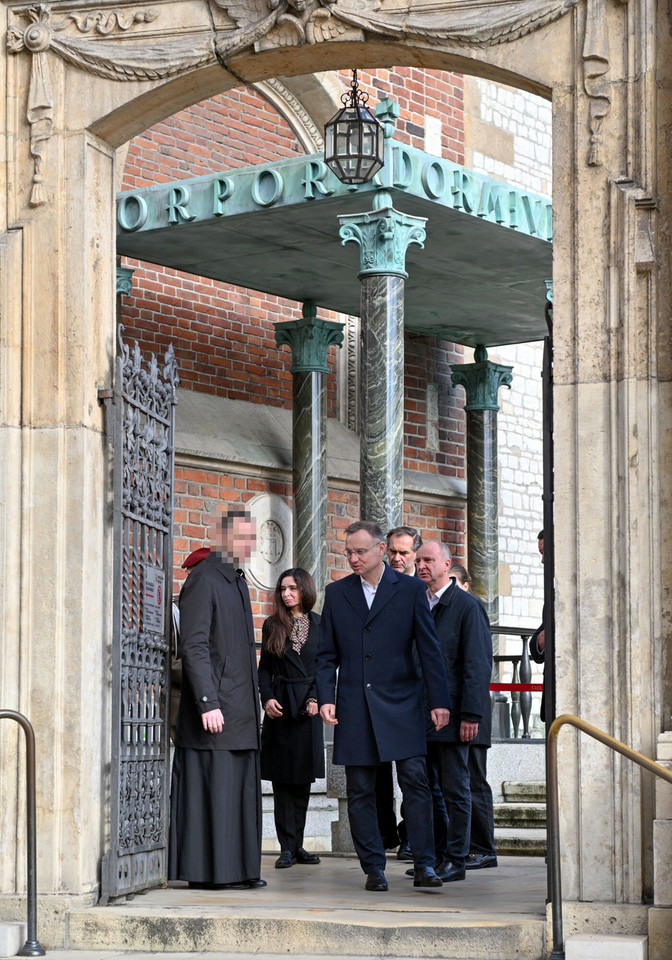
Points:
198	494
428	364
431	105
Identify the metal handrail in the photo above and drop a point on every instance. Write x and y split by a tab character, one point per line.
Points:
558	952
32	946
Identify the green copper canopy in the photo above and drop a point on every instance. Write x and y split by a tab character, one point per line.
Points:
480	279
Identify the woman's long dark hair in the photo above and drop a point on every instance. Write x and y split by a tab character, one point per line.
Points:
280	621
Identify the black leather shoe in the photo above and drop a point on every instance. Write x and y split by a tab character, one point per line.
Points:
447	871
410	872
478	861
243	885
285	860
376	881
404	852
302	856
426	877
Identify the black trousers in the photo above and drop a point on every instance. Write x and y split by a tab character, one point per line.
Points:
482	813
361	787
439	813
290	805
387	814
453	760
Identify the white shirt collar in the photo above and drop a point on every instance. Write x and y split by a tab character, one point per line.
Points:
370	590
434	599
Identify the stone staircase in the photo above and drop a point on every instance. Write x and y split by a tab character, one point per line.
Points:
322	911
520	819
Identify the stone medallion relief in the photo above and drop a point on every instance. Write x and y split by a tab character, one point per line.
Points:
273	552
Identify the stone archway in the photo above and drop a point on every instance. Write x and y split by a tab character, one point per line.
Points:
79	82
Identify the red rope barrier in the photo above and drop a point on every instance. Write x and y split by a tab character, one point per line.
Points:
517	686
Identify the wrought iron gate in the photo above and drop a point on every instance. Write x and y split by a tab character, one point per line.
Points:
142	409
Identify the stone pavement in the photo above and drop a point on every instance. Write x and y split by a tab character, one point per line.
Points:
323	910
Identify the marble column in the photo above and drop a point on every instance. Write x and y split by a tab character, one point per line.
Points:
481	381
308	339
383	236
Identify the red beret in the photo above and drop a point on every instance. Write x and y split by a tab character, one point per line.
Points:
196	557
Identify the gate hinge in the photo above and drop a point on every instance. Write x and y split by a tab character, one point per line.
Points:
106	399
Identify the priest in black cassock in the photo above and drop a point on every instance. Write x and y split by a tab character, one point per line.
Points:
215	813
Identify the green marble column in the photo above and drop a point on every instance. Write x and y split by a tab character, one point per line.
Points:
383	236
308	339
481	381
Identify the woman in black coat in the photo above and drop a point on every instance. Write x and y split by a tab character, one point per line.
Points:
292	747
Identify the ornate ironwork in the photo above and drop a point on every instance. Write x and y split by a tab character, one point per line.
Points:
143	409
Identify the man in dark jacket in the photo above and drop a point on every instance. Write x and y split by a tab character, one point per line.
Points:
466	643
538	639
215	817
370	622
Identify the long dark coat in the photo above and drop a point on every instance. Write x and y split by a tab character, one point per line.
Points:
219	661
466	644
379	700
292	746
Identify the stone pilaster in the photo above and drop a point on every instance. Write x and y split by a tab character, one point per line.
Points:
383	236
309	339
481	381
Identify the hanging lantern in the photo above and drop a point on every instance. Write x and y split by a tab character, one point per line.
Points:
353	139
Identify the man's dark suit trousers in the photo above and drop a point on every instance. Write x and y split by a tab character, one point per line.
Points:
361	786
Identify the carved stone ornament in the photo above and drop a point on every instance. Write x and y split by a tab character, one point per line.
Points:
89	39
481	381
383	237
309	339
264	24
142	61
595	67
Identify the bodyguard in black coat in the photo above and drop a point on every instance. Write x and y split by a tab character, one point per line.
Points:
466	644
371	622
482	851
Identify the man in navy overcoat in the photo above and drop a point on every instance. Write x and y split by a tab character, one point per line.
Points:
466	644
371	622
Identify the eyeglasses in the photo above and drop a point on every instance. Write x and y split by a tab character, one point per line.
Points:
361	551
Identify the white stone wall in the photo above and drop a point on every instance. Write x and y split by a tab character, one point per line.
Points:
519	425
509	137
527	120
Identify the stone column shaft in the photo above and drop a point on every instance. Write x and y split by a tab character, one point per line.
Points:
309	473
482	512
382	401
309	339
383	237
481	381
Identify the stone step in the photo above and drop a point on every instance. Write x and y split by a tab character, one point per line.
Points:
529	791
201	955
521	815
323	910
520	843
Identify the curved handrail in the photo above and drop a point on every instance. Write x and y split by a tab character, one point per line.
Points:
558	952
32	946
